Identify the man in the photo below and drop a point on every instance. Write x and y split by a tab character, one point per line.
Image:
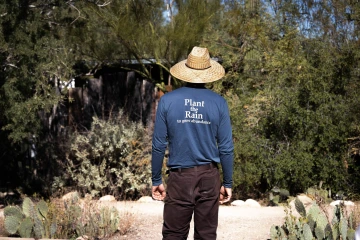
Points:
194	123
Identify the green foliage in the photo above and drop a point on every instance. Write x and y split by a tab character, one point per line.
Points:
319	194
290	98
68	220
292	83
113	157
84	217
314	224
34	56
278	195
32	221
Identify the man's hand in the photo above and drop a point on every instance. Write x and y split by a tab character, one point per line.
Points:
225	195
158	192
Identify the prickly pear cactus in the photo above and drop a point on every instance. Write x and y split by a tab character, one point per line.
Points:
12	224
314	225
319	216
311	223
299	206
38	228
25	228
351	234
13	218
28	207
273	233
343	228
335	231
29	220
319	233
53	228
328	232
42	208
307	233
13	211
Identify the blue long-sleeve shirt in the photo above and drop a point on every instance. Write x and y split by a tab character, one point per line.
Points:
195	124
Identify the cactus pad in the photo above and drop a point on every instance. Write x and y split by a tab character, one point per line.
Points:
28	207
319	233
343	228
42	208
351	234
12	224
53	228
25	228
273	232
307	232
299	206
13	211
38	227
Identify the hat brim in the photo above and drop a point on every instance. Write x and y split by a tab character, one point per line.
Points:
211	74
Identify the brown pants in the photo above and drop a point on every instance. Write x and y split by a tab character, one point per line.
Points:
192	191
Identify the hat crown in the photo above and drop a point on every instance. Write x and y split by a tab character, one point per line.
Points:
199	59
198	67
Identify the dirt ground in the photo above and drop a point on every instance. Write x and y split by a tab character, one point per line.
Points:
235	223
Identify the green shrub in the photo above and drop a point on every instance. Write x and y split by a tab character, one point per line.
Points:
85	217
113	157
67	220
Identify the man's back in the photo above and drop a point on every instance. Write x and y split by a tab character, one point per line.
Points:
193	117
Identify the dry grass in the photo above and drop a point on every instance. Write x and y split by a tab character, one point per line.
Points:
356	215
127	221
3	232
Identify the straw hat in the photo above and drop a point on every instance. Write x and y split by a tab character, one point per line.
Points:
198	67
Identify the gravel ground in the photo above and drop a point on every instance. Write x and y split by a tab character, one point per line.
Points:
235	223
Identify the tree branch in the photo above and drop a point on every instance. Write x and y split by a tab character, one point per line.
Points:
104	4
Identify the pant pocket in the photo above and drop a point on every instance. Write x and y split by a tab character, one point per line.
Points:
180	188
209	186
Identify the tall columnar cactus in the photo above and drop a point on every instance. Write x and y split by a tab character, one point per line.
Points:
314	225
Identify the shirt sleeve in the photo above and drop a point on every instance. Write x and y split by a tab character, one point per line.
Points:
159	143
226	146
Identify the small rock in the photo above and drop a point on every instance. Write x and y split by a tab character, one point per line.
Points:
84	237
107	198
252	203
147	199
346	203
238	203
70	196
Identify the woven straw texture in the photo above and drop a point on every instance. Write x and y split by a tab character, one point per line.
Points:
198	68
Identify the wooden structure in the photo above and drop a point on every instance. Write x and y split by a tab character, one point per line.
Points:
108	92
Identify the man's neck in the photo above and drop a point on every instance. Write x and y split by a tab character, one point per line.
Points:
195	85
